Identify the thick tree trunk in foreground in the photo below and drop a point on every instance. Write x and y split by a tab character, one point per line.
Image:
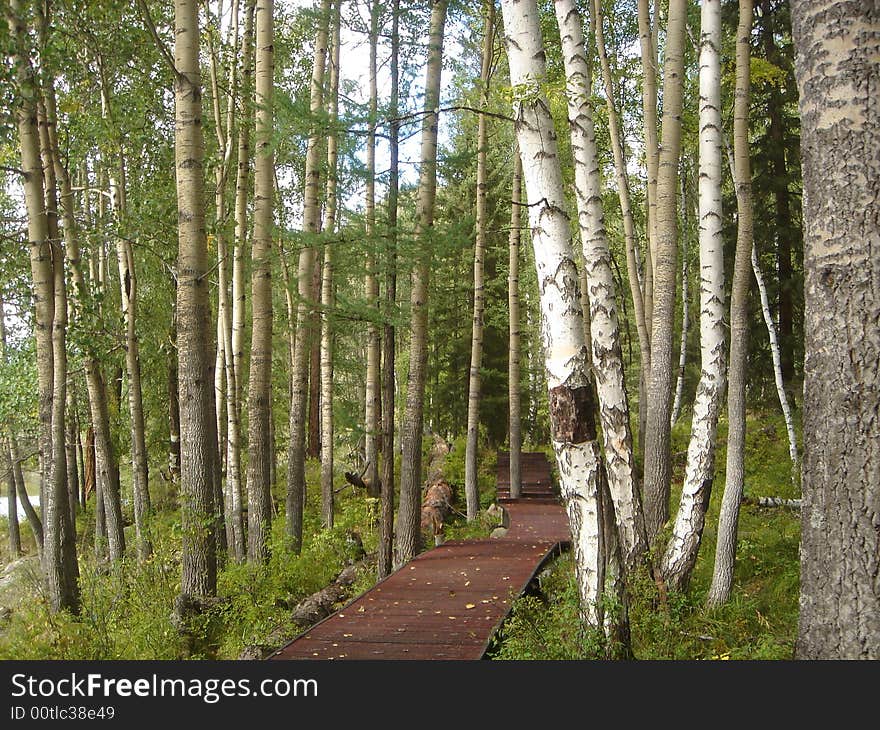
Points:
604	329
681	552
259	495
296	455
195	361
471	487
838	74
665	254
728	520
573	431
407	544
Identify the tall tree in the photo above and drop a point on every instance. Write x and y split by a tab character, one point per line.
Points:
838	71
259	496
371	285
195	361
408	531
386	521
573	431
514	426
728	520
664	253
681	553
605	332
327	278
50	323
296	479
471	487
11	500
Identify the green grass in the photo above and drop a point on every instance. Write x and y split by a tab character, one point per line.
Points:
760	620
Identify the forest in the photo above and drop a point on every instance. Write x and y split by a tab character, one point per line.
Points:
264	260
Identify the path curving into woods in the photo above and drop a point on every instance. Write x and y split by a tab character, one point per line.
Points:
448	602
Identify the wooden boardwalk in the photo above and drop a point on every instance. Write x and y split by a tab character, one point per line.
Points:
448	602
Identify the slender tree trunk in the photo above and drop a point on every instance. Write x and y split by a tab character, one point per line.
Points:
296	481
471	487
50	324
327	282
173	409
11	501
604	328
685	307
513	374
664	253
681	552
837	73
372	396
239	252
259	495
408	530
728	520
386	521
775	352
623	192
573	431
195	361
32	517
70	462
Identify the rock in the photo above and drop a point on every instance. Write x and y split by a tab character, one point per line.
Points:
497	512
498	532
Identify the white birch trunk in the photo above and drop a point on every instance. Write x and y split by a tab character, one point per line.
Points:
571	408
777	371
513	390
681	552
604	328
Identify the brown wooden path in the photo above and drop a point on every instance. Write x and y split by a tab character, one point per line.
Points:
448	602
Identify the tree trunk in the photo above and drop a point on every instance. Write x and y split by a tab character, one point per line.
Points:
513	390
11	501
411	437
664	268
837	72
623	192
471	487
372	402
573	431
386	521
327	283
681	552
685	305
725	548
32	517
775	352
604	328
195	361
50	320
296	480
259	495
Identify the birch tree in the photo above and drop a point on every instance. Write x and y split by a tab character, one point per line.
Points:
327	282
513	370
471	487
296	456
573	431
259	494
385	549
408	536
604	328
195	361
664	254
728	520
838	72
681	552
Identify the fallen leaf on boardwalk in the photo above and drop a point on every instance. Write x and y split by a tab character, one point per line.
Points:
452	617
361	609
469	605
467	583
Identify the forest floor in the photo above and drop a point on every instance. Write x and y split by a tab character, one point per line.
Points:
127	612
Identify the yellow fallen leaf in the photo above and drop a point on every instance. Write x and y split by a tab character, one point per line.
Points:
469	605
